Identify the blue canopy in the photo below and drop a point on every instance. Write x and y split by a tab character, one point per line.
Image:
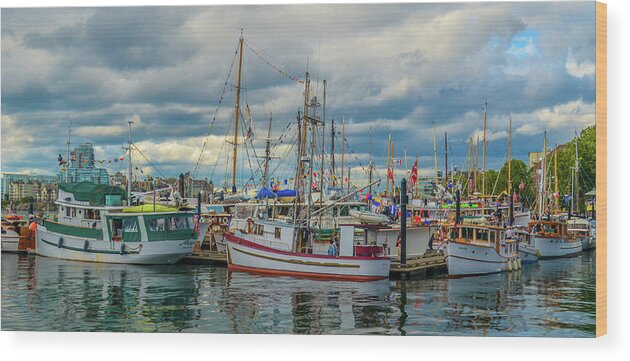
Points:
265	193
286	193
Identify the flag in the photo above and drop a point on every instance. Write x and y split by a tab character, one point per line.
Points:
390	174
399	161
413	178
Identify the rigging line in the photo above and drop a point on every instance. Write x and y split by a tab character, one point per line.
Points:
148	160
216	111
276	68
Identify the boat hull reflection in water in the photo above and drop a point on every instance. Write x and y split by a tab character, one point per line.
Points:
549	298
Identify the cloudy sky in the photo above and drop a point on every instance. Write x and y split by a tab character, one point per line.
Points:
395	68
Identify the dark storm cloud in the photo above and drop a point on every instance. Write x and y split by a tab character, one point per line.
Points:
394	68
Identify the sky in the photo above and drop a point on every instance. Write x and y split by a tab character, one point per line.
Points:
396	69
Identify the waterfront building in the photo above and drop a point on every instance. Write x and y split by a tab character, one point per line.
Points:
82	167
8	178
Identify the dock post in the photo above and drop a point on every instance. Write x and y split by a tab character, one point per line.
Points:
403	222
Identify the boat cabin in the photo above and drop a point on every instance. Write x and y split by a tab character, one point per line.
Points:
482	235
548	229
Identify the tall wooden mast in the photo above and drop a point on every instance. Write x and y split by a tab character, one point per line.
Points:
509	185
435	156
267	153
470	157
237	111
389	158
483	184
343	148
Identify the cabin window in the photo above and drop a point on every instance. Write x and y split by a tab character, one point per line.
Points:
74	212
156	224
177	223
92	214
454	233
259	230
67	212
493	236
277	232
130	224
482	235
343	211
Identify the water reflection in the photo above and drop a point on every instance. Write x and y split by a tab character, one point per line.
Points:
551	298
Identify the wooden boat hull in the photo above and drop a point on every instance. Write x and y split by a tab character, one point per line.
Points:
550	247
251	257
102	251
467	259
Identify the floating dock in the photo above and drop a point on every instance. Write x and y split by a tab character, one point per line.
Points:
206	257
429	264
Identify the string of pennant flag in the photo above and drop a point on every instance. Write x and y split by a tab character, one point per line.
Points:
276	68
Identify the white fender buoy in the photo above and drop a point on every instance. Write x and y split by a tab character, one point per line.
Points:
518	262
509	264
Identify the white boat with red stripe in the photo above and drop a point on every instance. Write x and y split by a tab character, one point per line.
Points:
269	248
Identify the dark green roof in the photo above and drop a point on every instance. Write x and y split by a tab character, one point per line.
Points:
92	193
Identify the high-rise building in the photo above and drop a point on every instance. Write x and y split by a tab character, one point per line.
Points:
82	167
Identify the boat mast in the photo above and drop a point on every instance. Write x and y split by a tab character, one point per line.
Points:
483	185
542	179
555	178
332	152
68	152
476	175
267	152
129	162
446	159
470	156
370	165
343	148
435	156
236	111
389	158
577	178
509	185
393	171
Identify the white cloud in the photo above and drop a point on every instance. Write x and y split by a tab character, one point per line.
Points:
579	70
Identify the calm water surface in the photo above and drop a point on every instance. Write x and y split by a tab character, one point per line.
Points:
551	298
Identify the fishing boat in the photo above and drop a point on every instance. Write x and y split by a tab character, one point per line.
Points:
270	249
549	236
582	230
95	224
92	225
476	250
551	239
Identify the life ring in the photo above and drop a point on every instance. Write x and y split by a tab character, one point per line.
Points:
224	220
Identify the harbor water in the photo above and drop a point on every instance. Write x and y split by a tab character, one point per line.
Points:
553	298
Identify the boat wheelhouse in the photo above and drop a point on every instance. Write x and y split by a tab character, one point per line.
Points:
473	249
94	225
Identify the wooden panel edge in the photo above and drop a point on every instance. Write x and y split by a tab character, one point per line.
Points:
601	84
